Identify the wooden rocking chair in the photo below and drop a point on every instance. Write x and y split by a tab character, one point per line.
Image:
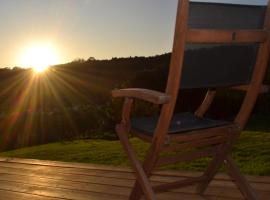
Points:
192	136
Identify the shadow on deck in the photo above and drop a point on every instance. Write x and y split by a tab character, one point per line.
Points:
24	179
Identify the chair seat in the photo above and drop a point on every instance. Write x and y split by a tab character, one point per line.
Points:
182	122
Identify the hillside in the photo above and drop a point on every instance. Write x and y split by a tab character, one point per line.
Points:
73	100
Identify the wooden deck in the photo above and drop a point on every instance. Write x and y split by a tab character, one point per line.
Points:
24	179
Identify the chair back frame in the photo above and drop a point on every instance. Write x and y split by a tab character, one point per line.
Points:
213	142
185	35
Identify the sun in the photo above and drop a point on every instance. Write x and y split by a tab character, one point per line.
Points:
39	57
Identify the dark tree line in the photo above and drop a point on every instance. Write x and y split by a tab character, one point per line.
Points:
73	100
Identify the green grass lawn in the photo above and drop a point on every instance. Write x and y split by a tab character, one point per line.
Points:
252	153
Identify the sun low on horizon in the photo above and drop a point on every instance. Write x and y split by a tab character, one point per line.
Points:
39	57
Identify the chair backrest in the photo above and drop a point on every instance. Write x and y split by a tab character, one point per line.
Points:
219	64
235	54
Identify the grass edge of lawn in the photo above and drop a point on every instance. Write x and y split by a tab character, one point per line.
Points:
252	153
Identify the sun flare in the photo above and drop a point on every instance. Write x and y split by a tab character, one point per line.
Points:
39	57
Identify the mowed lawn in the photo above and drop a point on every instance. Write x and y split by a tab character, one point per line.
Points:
252	152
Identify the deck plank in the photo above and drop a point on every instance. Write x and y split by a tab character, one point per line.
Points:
80	174
8	195
40	163
46	180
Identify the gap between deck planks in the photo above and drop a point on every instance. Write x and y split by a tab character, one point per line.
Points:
46	180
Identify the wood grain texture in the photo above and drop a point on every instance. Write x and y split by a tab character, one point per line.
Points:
23	179
209	97
143	94
263	89
226	36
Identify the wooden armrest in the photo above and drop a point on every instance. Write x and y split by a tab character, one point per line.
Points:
264	88
143	94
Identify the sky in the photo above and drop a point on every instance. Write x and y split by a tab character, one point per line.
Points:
89	28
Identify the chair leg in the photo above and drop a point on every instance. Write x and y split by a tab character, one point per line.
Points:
212	169
239	179
136	192
149	164
142	179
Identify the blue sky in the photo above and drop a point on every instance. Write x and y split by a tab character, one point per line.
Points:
84	28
